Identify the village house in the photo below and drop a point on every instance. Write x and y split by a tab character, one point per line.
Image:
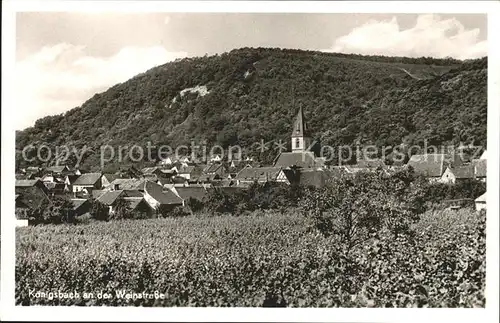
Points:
107	179
158	198
68	182
80	206
152	172
299	156
187	172
30	194
216	159
431	166
86	183
480	169
128	171
456	174
194	192
33	172
249	175
58	170
135	199
480	202
212	169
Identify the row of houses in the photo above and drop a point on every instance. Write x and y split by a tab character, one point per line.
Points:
172	181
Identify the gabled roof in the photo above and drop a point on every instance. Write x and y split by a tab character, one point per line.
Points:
212	168
88	179
77	203
128	183
54	185
163	197
26	182
188	192
72	178
482	198
463	172
186	170
149	170
110	177
168	171
304	159
110	197
258	173
429	165
178	179
57	169
133	202
97	193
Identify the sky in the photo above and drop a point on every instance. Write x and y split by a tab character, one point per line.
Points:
63	59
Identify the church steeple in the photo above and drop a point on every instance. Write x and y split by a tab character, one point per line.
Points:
300	136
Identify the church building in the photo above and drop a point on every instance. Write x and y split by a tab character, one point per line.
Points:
300	156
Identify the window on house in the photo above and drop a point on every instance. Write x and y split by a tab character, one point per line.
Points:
297	143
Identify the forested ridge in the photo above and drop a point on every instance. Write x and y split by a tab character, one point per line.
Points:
249	94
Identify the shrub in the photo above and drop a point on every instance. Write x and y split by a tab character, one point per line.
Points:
353	207
99	211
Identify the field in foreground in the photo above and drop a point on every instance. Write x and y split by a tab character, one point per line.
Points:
256	260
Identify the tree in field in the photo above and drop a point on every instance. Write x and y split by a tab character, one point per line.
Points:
58	210
99	211
121	210
353	207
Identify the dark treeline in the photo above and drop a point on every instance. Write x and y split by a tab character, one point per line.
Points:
254	94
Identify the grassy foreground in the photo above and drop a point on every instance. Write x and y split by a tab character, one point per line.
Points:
255	260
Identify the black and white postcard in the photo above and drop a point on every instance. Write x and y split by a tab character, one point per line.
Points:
244	161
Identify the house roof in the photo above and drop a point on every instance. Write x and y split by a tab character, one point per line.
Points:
162	196
26	182
57	169
212	168
97	193
179	179
316	178
72	178
208	178
110	177
133	202
77	203
479	167
304	159
258	173
128	183
187	192
369	163
54	186
429	165
88	179
463	171
186	170
482	198
149	170
110	197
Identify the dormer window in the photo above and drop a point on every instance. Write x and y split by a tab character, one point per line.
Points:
297	143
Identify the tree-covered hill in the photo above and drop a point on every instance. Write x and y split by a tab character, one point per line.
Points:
241	97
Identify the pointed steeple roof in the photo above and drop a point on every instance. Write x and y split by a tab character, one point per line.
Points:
299	126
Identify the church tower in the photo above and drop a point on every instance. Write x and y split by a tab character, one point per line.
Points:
300	134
